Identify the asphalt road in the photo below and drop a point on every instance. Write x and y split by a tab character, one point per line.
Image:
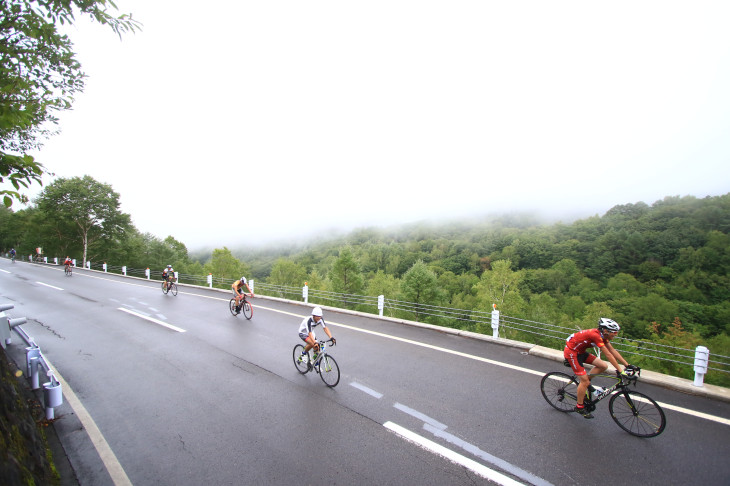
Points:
219	401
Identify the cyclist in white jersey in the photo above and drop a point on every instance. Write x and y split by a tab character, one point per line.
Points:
306	330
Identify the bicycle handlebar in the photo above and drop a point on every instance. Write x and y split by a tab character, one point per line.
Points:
631	376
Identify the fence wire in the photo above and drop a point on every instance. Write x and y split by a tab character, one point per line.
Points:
550	335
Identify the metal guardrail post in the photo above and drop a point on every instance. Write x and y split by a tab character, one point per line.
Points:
702	358
305	293
495	321
381	304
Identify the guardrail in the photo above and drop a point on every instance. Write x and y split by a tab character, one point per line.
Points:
699	359
34	361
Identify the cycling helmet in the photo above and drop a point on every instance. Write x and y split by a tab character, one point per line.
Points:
243	280
169	266
610	324
317	311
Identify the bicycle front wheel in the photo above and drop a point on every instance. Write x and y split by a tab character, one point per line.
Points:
637	414
329	371
247	310
560	390
301	362
164	287
232	307
67	270
173	289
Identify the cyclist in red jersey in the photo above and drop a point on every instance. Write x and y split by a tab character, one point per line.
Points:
576	352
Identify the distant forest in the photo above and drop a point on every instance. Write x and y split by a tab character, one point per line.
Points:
660	270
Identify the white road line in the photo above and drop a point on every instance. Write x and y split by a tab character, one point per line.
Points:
367	390
51	286
415	413
4	271
452	456
115	469
701	415
151	319
444	350
475	451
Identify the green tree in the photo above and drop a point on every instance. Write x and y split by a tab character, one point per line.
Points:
224	265
286	272
345	276
420	286
39	76
500	286
91	207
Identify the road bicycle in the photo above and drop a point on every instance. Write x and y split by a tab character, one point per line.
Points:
244	306
68	270
169	286
634	412
322	363
13	258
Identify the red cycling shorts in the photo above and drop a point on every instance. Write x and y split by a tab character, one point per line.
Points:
577	360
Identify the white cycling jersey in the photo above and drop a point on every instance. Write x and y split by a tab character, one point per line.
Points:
308	324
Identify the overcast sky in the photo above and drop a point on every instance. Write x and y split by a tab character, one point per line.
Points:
264	120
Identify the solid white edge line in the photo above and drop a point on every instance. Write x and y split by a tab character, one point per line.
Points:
151	319
452	456
675	408
115	469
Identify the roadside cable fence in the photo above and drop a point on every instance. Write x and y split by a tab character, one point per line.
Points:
676	361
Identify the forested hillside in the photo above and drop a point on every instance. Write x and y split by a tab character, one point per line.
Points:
661	270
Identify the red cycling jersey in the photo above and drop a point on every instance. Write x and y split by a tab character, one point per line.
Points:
580	341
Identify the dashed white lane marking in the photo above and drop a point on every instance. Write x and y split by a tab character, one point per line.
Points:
49	286
450	351
151	319
452	456
367	390
420	416
475	451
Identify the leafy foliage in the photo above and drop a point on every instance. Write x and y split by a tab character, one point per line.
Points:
662	271
39	76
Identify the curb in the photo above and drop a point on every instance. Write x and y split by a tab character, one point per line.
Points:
667	381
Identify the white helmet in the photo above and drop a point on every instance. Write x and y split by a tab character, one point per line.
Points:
243	280
317	311
610	324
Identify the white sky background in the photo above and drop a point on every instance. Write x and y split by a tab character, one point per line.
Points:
270	120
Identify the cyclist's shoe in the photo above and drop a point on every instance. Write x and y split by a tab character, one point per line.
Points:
584	412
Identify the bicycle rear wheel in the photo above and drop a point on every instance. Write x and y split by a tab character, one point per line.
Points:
247	310
173	289
329	371
637	414
67	271
301	362
560	390
232	307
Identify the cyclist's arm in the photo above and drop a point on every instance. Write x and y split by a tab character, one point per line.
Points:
614	357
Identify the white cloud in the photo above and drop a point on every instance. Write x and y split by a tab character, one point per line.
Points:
267	119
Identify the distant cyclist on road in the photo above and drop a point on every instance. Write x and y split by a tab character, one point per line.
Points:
168	275
306	330
67	263
576	352
237	289
12	254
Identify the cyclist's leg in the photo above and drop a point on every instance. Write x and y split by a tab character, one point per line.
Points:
576	364
310	340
